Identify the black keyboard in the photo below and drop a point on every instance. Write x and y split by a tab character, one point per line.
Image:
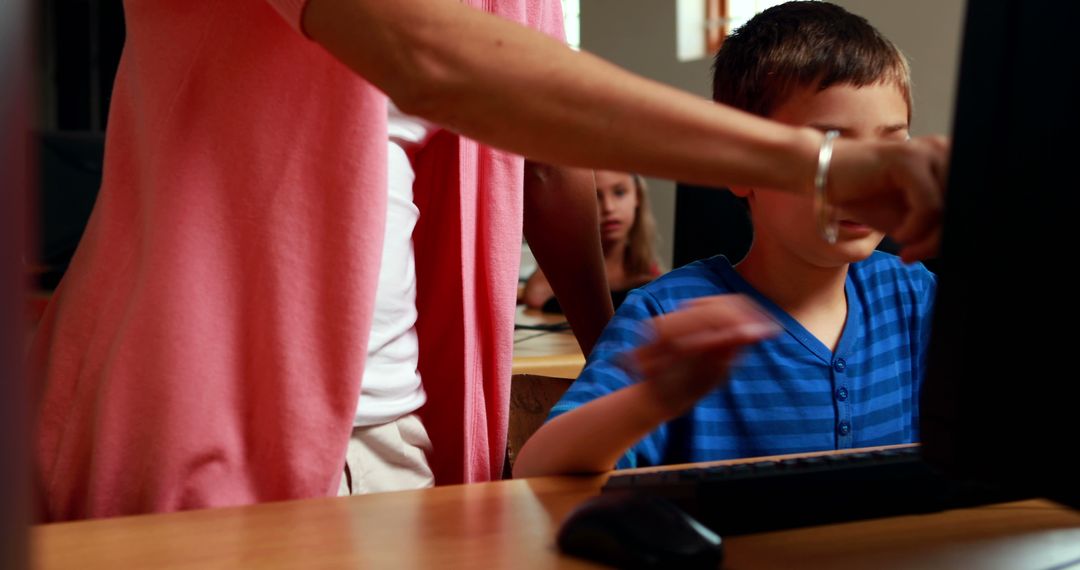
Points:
773	495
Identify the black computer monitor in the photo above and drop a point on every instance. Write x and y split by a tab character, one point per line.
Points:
708	222
69	176
1001	401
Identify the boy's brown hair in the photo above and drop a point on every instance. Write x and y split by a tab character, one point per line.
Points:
803	44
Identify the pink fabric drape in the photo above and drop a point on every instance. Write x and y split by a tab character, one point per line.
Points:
468	247
206	346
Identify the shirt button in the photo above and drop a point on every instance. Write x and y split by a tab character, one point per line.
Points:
844	428
841	393
839	364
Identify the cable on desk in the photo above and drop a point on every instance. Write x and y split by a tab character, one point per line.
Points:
548	327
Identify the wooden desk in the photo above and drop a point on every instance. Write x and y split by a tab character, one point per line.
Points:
507	524
545	353
512	524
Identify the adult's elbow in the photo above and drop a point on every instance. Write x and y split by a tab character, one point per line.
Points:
425	82
421	90
397	49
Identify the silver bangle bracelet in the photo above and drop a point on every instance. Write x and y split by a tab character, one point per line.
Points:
826	219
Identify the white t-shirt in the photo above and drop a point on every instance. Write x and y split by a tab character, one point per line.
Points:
391	386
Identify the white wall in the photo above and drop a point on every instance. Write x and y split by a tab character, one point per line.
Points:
640	36
928	32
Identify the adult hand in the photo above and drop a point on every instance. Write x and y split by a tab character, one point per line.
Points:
897	187
692	348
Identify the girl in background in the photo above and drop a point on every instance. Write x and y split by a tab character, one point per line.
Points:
627	236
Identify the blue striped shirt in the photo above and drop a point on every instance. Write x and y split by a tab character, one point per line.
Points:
790	393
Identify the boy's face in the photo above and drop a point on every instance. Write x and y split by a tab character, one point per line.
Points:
789	222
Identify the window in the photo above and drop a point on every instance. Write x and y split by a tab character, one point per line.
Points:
572	21
737	12
703	24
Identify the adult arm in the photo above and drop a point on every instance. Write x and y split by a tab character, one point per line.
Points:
562	228
476	73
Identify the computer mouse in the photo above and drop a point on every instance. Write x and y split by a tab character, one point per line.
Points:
628	530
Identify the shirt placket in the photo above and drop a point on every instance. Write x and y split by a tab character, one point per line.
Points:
845	436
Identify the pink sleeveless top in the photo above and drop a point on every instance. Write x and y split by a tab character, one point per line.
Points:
205	347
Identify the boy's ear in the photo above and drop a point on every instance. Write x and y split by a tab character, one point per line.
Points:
742	191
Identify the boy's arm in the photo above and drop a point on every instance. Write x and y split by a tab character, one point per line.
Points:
563	231
591	438
688	356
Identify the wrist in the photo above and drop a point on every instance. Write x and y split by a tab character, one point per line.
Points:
664	399
823	210
806	148
656	405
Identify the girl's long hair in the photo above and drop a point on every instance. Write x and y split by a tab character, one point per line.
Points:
640	257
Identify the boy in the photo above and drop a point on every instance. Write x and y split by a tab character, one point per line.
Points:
845	365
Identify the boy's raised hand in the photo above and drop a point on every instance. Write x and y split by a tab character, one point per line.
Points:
693	348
